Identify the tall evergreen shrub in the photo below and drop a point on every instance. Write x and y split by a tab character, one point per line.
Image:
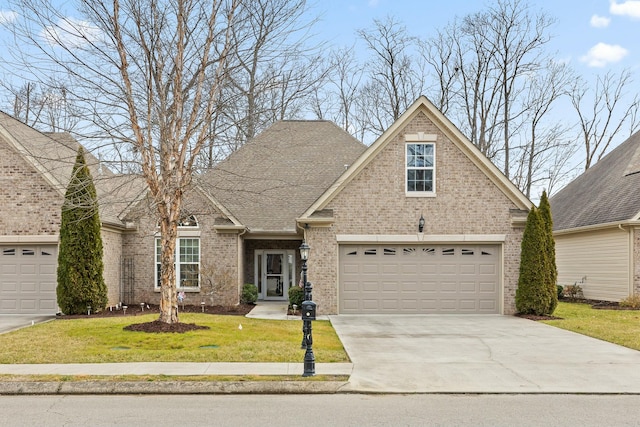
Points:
545	213
532	295
80	281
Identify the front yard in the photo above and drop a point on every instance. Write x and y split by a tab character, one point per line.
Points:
240	339
229	339
617	326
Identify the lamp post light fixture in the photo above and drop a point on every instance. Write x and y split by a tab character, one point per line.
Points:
308	313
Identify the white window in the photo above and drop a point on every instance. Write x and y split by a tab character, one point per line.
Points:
187	255
187	262
420	169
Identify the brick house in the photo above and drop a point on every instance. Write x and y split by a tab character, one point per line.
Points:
358	207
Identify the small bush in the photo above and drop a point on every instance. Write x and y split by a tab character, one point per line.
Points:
249	293
560	289
573	292
632	301
296	296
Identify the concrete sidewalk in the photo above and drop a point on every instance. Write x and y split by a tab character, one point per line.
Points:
175	368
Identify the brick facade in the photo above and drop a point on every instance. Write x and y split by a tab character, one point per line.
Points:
373	203
635	260
467	202
32	205
111	257
219	266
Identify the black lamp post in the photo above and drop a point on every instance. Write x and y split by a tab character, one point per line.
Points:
308	314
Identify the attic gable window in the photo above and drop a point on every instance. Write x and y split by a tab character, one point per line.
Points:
420	169
188	221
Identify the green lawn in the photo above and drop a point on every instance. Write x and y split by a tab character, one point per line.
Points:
103	340
617	326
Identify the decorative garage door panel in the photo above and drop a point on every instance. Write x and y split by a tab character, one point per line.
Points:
419	279
28	279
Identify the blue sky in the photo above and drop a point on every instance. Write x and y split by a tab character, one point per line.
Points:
593	35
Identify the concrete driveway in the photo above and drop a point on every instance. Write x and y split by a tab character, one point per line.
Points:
11	322
480	354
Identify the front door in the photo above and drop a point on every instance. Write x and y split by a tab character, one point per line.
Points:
275	273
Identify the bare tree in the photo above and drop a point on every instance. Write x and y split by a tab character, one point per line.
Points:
346	76
544	140
272	69
337	99
394	79
439	54
481	65
148	74
516	37
46	107
603	115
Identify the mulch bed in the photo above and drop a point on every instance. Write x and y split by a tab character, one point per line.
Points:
160	327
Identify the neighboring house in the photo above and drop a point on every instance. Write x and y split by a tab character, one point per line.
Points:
596	226
35	169
358	208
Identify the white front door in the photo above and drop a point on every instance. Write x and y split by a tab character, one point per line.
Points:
274	272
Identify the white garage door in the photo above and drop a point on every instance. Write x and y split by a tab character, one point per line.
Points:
28	279
419	279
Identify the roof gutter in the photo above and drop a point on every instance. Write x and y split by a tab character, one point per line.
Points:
596	227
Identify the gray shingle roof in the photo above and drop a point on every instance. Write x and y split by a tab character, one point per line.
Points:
607	192
273	179
54	155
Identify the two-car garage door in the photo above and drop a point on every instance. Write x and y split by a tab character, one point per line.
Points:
414	278
28	279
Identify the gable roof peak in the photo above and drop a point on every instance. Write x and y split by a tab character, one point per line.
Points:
422	104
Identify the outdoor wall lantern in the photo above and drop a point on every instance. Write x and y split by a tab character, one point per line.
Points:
421	224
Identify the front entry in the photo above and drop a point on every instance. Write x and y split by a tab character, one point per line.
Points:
274	273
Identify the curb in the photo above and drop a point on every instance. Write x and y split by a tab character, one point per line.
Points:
169	387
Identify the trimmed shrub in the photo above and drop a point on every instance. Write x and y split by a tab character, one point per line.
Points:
249	294
80	267
560	289
550	248
533	295
296	296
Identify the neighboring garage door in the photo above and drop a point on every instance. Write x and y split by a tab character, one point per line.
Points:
28	279
419	279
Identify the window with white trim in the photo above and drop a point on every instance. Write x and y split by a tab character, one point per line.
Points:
187	262
420	169
187	255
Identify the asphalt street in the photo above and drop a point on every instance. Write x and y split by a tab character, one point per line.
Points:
338	410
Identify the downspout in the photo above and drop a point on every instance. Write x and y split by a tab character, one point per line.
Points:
631	281
240	262
304	230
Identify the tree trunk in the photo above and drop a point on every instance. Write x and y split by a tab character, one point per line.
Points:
169	297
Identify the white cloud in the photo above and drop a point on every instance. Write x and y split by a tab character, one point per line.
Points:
70	32
600	21
7	16
629	8
602	54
